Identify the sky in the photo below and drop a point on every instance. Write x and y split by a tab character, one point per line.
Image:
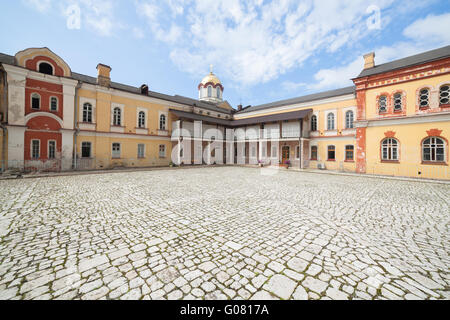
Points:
262	51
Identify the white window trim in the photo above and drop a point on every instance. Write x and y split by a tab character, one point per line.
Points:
92	102
50	104
165	113
48	148
146	118
31	101
159	151
444	147
31	149
344	120
334	112
122	114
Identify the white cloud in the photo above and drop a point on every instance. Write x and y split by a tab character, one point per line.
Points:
40	5
433	29
253	41
138	33
291	86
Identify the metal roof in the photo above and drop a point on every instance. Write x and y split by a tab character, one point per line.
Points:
294	115
420	58
302	99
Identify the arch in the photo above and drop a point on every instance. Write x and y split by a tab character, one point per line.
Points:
390	149
117	116
444	95
162	122
423	97
141	119
430	152
29	58
43	121
382	103
45	67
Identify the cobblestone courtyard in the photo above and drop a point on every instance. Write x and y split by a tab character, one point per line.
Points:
223	233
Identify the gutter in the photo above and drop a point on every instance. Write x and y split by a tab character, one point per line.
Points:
75	125
5	130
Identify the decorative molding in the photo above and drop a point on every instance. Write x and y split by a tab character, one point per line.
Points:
389	134
434	132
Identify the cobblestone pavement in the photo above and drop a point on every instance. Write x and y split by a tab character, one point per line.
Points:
223	233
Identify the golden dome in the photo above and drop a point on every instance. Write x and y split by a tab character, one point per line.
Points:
211	78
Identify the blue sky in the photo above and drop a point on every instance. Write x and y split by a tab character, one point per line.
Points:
262	51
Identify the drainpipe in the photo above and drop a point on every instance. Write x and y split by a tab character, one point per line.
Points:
75	125
5	130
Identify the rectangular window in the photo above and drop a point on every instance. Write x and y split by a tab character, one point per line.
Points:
35	101
349	151
274	152
51	149
116	150
162	151
53	104
331	153
85	149
141	150
314	153
35	149
297	152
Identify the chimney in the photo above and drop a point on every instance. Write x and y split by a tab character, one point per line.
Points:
369	60
104	75
240	107
144	89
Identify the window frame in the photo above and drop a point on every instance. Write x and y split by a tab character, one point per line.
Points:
36	96
141	121
352	150
386	99
117	117
420	98
162	124
90	149
141	147
311	153
51	105
390	147
448	95
87	112
113	156
47	63
48	149
349	123
209	91
314	123
394	103
329	147
443	146
162	154
331	116
218	91
32	149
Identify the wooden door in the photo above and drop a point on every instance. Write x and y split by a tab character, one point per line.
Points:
285	154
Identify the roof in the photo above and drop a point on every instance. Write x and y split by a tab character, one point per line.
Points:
299	114
7	59
153	94
420	58
302	99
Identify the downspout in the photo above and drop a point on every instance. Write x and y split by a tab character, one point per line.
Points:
5	130
75	125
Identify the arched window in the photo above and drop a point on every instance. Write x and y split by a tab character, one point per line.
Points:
162	122
87	112
349	120
218	92
46	68
444	94
330	121
398	102
314	123
424	98
53	104
117	121
141	119
433	149
35	101
382	104
389	149
209	91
